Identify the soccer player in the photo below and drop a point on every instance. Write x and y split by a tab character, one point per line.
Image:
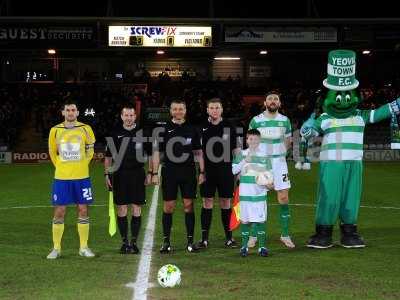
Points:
180	143
219	142
71	150
276	132
127	150
250	163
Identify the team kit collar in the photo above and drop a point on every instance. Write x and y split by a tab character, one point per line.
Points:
176	123
133	127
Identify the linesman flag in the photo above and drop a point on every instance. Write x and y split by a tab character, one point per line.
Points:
112	226
235	220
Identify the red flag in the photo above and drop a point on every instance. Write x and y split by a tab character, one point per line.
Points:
235	221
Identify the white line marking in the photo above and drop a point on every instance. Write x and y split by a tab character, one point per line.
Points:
143	271
291	204
362	206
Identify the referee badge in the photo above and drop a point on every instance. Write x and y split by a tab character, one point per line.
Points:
225	136
188	141
138	146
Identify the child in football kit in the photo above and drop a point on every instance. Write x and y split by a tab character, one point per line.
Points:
255	180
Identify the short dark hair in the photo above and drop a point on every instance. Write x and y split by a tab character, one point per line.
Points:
128	106
69	101
178	101
273	92
214	100
253	132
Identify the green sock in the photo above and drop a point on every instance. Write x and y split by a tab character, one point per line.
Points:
261	235
284	218
245	228
253	230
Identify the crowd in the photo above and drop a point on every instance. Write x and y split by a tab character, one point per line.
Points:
41	103
14	104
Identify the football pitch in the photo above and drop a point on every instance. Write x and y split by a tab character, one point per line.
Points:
215	273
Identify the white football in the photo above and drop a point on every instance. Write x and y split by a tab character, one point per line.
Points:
169	276
265	178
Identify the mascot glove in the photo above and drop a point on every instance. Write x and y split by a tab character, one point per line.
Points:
306	132
395	105
306	129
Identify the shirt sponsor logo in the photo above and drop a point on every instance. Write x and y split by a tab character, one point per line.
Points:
70	151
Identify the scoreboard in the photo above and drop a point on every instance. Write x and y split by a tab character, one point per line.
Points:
159	36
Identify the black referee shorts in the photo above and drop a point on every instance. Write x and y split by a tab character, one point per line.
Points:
218	178
182	177
128	187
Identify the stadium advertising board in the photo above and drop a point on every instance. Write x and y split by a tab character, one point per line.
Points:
5	157
280	35
30	157
46	36
156	115
259	71
159	36
38	157
171	73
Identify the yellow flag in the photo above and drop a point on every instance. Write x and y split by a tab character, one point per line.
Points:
112	226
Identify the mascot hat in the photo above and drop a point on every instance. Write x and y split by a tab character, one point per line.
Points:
341	71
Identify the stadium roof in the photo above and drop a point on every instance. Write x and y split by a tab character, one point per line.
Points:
202	9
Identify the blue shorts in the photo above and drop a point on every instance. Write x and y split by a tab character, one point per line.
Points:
67	192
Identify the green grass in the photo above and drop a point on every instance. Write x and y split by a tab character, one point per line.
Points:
217	273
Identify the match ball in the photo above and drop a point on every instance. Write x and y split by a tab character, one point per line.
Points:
265	178
169	276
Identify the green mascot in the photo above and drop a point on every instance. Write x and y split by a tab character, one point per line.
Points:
341	126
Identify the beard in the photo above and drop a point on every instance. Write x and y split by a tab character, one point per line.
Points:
272	109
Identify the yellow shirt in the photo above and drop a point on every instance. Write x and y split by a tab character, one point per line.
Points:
71	150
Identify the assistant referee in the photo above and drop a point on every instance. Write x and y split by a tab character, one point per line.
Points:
219	143
126	152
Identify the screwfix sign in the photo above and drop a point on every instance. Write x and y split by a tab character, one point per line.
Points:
159	36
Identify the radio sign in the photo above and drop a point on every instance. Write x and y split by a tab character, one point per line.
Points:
159	36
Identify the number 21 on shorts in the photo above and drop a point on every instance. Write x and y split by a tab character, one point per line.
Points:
87	193
285	177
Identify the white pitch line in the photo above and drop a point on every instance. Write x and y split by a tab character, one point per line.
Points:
142	278
362	206
291	204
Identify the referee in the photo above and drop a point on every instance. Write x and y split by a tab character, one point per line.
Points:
219	143
180	143
125	154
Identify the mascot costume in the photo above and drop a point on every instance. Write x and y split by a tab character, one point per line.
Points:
341	126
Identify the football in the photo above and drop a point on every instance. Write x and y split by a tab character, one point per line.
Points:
265	178
169	276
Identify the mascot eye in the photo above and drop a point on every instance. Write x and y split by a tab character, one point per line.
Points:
348	97
338	98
